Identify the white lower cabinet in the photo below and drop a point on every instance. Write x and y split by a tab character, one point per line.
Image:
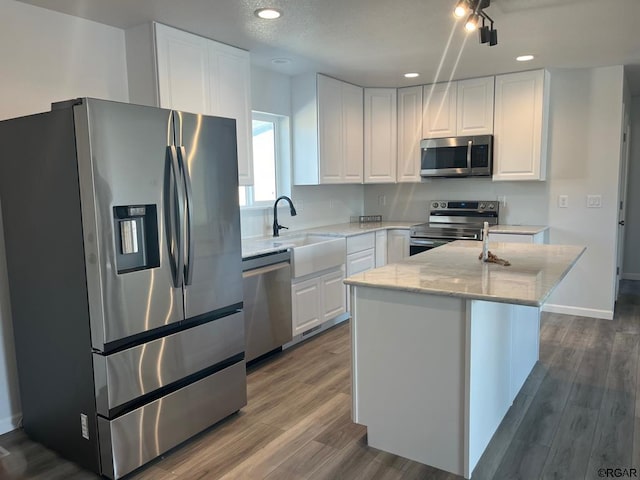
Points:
361	261
381	248
517	238
317	299
397	245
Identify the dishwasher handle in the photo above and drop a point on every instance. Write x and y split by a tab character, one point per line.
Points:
265	269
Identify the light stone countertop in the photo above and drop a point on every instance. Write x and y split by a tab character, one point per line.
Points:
263	245
455	270
518	229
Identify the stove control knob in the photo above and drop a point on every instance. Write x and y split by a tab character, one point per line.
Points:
492	206
434	205
482	206
443	205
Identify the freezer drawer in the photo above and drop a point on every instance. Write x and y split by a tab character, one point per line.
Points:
126	375
133	439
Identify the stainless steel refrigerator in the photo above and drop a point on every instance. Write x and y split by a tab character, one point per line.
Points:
122	234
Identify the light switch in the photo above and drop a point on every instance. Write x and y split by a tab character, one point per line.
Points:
594	201
563	201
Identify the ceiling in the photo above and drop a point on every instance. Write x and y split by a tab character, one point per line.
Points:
373	42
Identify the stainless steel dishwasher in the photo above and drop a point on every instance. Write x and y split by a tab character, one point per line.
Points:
267	303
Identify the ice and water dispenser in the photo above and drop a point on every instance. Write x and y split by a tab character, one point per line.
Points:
136	232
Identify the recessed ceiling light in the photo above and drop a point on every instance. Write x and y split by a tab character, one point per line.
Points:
524	58
268	13
411	75
281	61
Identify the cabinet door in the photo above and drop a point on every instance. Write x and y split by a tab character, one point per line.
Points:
409	133
397	245
183	70
475	106
305	305
333	295
352	133
330	146
520	133
439	112
230	87
381	248
361	262
380	135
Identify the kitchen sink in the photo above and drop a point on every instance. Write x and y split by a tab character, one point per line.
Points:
313	253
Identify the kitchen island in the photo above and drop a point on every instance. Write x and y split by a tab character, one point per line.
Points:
442	344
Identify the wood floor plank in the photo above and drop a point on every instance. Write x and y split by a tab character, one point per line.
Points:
282	447
543	415
493	455
613	440
303	462
221	453
569	454
522	461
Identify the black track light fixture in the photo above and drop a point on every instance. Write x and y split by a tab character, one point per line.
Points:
474	10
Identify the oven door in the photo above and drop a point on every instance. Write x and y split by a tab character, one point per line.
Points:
419	245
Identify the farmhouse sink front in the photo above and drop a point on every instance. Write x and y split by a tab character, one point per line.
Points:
313	253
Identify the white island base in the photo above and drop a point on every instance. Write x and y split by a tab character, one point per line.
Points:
434	375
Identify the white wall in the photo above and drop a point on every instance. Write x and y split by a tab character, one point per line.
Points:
526	202
585	143
631	266
316	205
47	57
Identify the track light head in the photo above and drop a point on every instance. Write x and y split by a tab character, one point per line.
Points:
485	36
493	37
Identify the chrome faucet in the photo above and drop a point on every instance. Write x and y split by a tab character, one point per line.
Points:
276	227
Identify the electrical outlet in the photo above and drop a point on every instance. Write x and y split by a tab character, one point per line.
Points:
502	199
382	200
563	201
594	201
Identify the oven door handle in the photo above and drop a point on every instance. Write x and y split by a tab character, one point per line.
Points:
445	237
421	243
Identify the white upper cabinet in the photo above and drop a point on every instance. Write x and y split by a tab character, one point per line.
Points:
521	117
328	126
380	135
475	107
460	108
174	69
439	113
183	70
409	133
230	87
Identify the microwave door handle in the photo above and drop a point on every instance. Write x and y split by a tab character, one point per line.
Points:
469	145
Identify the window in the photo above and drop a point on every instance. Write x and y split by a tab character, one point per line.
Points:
271	170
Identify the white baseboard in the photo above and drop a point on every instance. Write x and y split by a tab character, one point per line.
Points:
578	311
8	424
631	276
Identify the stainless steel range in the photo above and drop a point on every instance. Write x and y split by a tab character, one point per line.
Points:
451	220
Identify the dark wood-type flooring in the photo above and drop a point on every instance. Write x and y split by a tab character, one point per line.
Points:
577	412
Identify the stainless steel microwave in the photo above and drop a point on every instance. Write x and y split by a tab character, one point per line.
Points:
457	156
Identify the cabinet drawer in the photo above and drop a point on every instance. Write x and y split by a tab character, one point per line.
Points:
362	242
361	262
141	435
120	377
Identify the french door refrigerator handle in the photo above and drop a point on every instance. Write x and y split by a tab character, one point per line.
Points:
188	269
173	202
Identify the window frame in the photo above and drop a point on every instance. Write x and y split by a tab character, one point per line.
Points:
282	158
